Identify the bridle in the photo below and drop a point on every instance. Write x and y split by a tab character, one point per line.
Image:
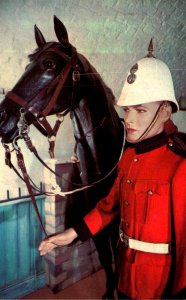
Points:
40	120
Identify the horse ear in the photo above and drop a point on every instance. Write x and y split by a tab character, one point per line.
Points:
60	31
40	40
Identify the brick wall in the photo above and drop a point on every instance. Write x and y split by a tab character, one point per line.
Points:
66	265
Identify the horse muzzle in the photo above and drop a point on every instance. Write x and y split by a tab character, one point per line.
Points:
8	129
8	137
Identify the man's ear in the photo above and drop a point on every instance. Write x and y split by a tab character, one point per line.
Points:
167	111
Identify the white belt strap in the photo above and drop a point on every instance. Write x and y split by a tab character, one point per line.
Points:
159	248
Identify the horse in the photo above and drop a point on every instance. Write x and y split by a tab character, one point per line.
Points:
59	81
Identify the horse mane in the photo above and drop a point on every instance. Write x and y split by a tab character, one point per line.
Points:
94	76
98	83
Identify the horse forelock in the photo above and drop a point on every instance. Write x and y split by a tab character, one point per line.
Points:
38	51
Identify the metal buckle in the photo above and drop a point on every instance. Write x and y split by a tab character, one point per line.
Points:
41	119
76	75
51	138
124	238
60	117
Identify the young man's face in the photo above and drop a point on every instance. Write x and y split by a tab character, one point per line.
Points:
138	118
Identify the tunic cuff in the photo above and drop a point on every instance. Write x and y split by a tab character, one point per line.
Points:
82	231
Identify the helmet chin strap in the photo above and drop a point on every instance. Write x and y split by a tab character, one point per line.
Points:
151	125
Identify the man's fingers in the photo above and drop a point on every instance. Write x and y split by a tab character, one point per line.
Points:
41	246
45	247
61	239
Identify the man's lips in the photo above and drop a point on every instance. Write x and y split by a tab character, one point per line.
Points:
131	130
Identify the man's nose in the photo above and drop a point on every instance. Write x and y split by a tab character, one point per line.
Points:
129	117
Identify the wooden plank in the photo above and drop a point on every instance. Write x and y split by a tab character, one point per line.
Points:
40	235
2	248
23	288
23	240
11	245
21	267
36	237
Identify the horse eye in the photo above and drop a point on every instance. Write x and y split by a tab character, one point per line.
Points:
49	64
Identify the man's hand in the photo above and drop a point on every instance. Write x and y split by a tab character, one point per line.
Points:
60	239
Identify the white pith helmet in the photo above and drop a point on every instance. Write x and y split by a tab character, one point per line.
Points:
149	80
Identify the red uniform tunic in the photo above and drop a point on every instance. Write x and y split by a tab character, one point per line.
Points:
150	194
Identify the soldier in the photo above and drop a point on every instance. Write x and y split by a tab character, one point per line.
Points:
149	192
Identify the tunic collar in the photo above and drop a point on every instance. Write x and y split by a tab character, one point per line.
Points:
149	144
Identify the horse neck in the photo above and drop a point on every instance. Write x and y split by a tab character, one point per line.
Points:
92	146
85	123
86	118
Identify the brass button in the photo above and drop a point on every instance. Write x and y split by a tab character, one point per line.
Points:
129	181
126	224
126	203
170	144
135	159
150	193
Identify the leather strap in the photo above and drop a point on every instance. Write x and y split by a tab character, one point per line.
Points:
63	77
14	97
21	165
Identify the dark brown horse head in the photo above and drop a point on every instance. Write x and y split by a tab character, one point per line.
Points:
48	73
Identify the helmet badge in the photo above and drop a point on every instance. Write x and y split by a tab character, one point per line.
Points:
132	76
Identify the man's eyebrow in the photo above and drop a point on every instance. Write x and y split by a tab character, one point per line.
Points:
136	106
140	105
